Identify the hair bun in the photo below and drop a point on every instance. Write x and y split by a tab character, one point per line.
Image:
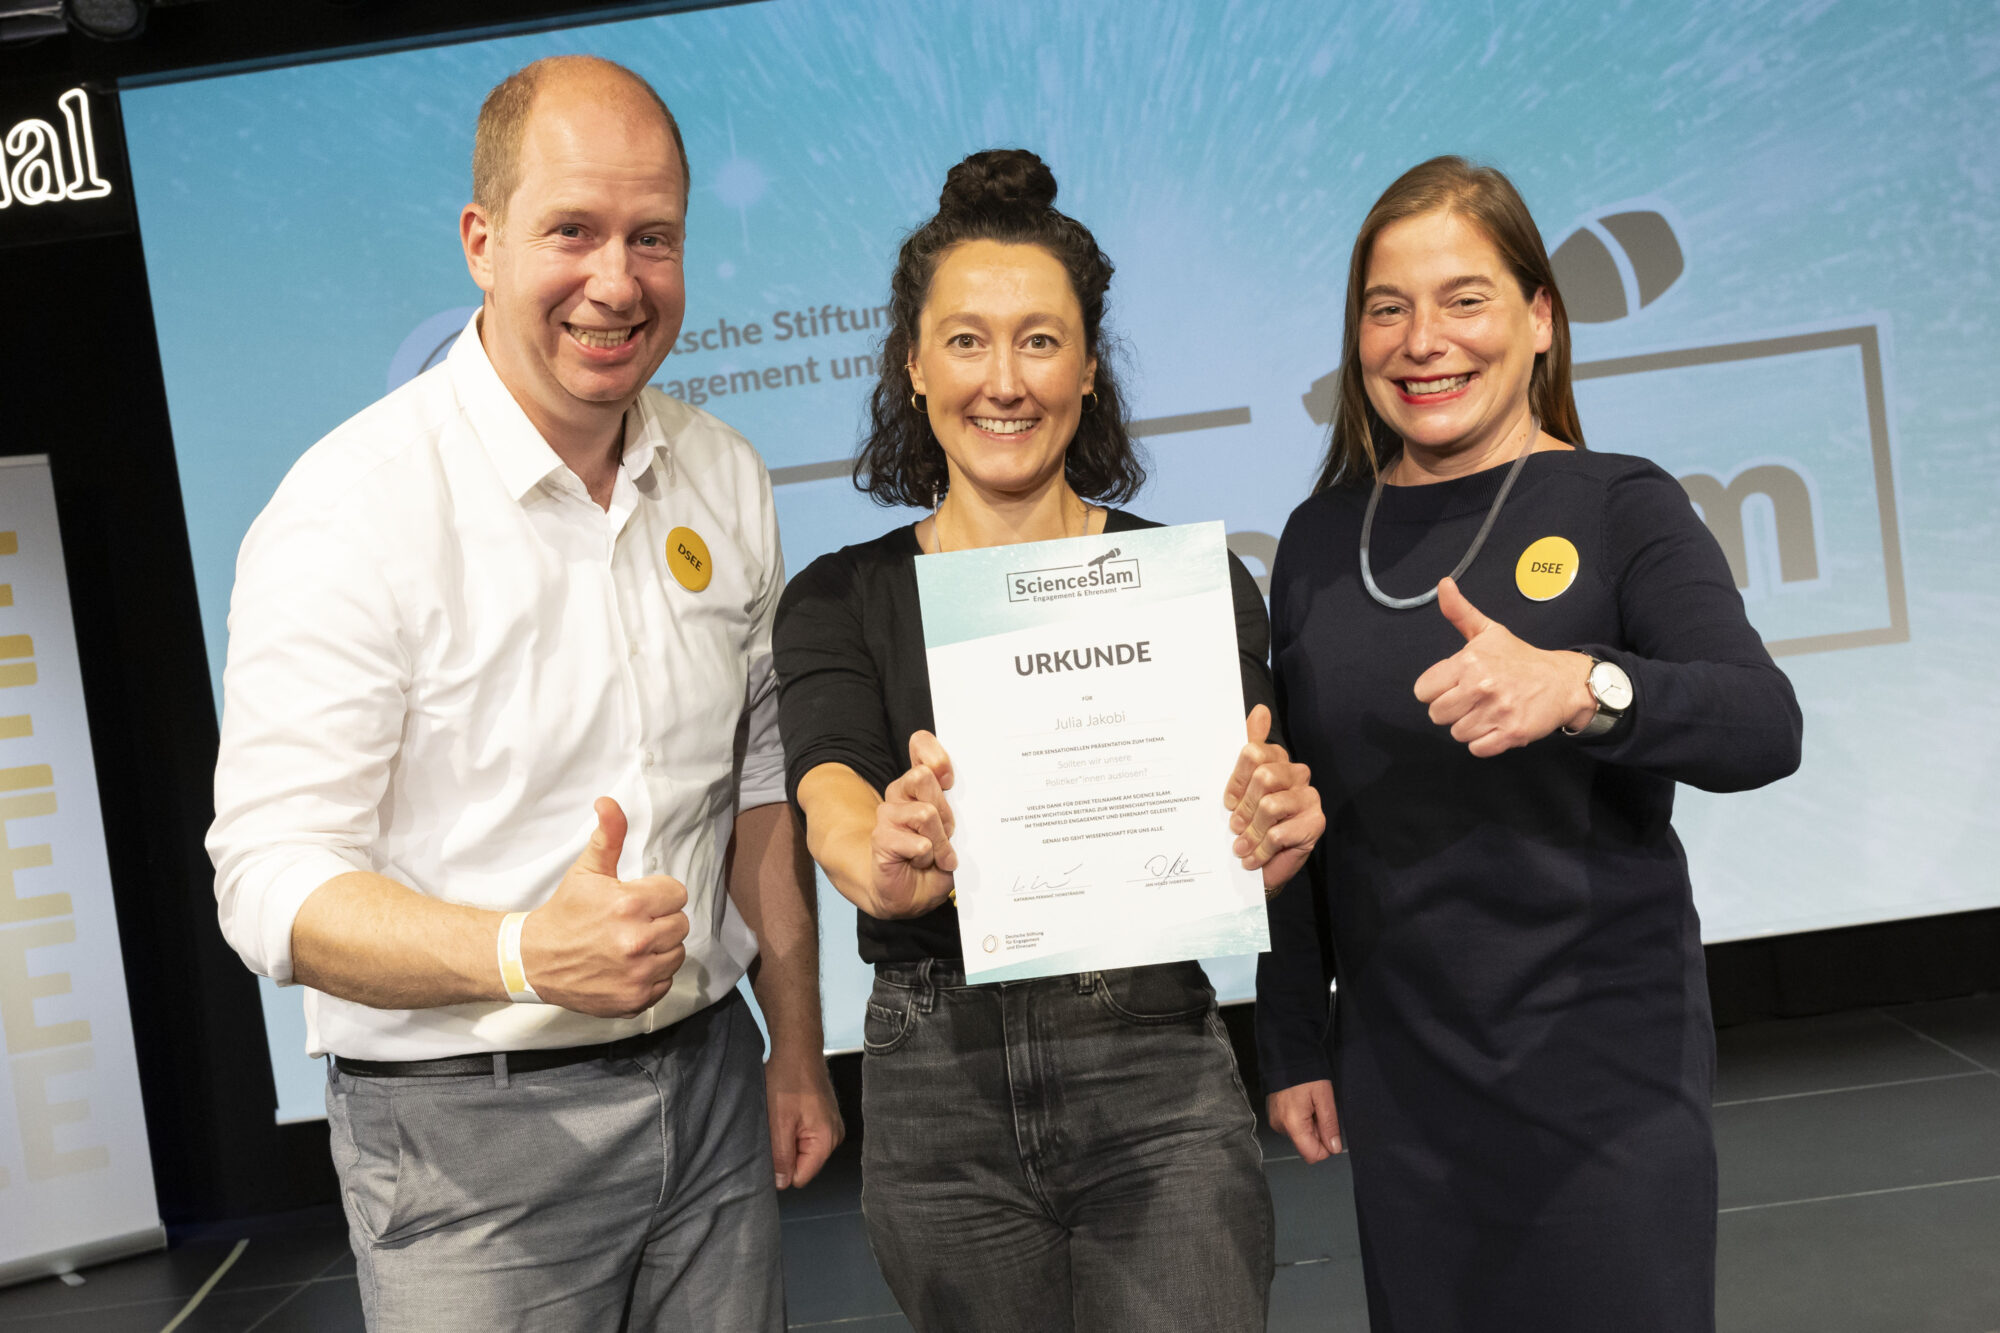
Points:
998	180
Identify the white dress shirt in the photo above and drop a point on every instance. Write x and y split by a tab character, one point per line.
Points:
441	651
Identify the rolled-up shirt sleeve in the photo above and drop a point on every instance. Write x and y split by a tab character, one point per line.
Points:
314	700
763	781
763	771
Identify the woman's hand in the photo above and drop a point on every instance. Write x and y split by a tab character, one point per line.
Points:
911	846
1305	1114
1498	693
1274	810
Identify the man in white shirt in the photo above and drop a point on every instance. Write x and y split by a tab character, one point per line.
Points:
517	586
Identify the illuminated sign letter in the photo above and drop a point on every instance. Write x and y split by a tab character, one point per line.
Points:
37	169
31	157
84	182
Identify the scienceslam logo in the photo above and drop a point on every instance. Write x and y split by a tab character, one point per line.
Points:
1105	573
1781	442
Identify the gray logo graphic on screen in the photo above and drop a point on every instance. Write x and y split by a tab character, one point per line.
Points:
427	345
1820	397
1781	443
1615	265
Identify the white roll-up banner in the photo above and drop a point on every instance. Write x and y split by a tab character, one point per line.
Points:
76	1177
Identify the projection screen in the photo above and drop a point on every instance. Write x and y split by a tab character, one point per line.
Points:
1775	225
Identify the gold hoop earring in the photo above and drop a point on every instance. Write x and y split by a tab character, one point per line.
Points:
1092	405
914	395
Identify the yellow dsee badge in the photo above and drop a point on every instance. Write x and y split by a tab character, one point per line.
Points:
1547	568
687	557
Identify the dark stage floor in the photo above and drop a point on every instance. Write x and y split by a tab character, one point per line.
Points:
1860	1194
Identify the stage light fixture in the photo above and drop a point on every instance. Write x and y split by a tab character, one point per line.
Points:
27	20
108	20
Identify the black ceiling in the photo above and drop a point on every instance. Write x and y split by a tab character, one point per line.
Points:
207	36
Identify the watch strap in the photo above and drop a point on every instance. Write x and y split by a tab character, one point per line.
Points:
1606	717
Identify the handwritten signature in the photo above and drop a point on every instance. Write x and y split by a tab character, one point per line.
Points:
1036	882
1164	866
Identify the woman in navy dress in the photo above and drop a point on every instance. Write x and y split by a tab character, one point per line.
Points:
1499	653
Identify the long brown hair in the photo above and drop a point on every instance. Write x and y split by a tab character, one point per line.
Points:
1360	442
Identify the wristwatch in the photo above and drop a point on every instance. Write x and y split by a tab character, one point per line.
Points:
1612	688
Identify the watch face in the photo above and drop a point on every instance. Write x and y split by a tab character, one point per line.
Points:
1611	686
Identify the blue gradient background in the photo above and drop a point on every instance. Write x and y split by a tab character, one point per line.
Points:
1823	165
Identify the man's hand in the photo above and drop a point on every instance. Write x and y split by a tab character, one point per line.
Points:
771	884
1305	1113
805	1119
1498	693
601	945
1274	810
911	846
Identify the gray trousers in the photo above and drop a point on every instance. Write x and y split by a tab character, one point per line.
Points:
615	1194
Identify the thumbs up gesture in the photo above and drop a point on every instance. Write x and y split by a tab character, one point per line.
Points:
601	945
1497	692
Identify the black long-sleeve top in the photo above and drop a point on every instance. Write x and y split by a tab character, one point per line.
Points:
1493	903
854	683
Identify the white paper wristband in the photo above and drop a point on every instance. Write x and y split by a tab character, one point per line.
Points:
512	974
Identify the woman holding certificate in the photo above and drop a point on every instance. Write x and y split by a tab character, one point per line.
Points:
1068	1152
1501	652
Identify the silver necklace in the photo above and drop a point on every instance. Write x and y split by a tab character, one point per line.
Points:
1465	563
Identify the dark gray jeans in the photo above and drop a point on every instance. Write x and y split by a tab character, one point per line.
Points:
1072	1153
615	1194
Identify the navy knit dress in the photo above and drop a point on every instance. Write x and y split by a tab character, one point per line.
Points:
1521	1045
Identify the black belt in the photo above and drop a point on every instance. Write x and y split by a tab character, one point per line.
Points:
500	1064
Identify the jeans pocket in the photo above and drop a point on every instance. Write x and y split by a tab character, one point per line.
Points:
890	1018
1155	996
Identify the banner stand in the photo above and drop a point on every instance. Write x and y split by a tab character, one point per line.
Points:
76	1172
74	1257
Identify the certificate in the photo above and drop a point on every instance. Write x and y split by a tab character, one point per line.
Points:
1089	695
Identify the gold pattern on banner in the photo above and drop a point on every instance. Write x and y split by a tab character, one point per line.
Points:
13	672
26	776
688	558
15	905
37	1051
1546	569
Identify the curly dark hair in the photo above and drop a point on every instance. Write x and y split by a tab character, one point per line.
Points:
1006	195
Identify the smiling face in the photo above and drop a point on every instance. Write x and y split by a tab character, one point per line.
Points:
1447	342
1001	362
582	275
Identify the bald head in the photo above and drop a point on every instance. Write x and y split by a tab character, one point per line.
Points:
504	117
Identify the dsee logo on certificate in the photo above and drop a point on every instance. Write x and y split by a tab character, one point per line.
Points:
1088	693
